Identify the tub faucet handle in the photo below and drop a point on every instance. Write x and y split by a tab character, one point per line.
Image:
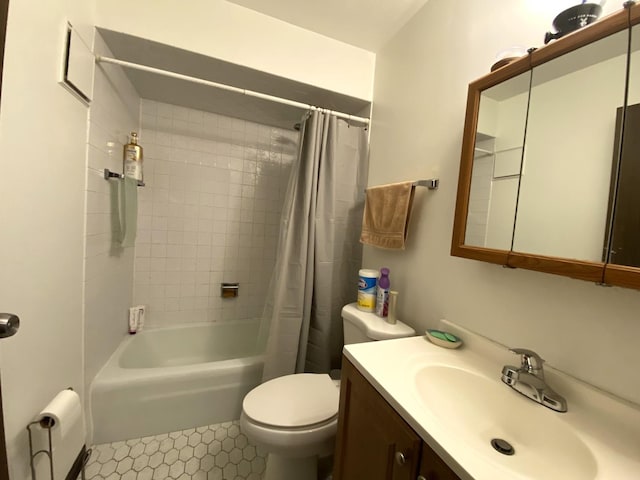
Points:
531	361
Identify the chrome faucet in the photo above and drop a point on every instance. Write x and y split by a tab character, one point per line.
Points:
528	379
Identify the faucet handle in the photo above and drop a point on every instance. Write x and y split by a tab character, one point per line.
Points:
531	361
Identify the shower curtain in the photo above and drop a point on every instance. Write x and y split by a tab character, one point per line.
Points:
319	253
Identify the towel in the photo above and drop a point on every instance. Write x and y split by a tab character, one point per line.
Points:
386	215
128	211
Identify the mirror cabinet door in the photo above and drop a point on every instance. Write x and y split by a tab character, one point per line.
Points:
496	163
569	148
624	248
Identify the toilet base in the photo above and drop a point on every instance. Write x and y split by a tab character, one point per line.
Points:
291	468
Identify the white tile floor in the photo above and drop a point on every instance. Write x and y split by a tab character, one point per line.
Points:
214	452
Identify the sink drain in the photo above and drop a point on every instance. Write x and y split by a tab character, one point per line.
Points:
502	446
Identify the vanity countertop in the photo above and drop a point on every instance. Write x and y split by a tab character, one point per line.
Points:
455	400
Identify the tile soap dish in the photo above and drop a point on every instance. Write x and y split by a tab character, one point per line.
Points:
443	339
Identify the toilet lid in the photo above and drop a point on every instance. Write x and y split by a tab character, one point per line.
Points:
294	400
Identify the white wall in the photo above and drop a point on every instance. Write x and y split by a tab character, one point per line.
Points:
495	177
564	192
634	77
419	105
210	213
510	127
42	165
114	113
480	200
238	35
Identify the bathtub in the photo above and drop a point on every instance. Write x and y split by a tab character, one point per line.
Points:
170	379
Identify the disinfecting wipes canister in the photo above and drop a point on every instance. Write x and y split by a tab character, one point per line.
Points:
367	290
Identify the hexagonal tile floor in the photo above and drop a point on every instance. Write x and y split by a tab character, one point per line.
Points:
214	452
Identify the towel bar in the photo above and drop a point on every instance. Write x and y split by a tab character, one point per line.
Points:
431	184
108	174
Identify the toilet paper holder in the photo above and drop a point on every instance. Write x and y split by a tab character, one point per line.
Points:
78	467
47	424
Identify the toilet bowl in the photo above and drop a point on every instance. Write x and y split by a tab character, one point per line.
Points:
294	418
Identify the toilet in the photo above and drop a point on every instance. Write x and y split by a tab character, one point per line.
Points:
294	418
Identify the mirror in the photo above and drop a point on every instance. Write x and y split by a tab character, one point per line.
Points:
496	163
564	187
565	200
624	246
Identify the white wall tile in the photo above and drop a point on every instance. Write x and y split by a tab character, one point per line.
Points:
114	112
199	209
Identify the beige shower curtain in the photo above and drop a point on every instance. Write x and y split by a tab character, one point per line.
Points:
319	253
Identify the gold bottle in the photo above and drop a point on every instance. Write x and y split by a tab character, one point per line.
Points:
132	158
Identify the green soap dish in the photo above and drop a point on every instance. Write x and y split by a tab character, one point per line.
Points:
443	339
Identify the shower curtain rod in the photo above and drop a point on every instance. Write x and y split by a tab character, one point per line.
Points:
222	86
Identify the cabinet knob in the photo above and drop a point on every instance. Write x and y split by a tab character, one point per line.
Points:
401	459
420	477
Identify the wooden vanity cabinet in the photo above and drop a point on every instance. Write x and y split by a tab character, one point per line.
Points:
432	467
374	442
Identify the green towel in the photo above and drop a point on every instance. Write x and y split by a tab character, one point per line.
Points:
128	211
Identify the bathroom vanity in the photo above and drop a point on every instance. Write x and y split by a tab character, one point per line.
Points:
410	410
374	442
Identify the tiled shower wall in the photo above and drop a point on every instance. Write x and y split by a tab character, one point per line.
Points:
209	213
113	113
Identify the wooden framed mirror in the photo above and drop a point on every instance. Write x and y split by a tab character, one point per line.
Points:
623	263
549	158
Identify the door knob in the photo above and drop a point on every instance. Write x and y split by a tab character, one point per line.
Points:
9	324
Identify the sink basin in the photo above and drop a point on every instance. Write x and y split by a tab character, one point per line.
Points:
479	409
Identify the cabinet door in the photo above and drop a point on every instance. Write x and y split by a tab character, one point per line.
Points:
373	442
432	467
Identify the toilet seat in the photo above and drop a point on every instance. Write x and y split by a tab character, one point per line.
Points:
292	402
303	428
295	418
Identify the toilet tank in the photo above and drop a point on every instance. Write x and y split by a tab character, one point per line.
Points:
362	326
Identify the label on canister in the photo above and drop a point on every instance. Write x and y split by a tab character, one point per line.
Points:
367	290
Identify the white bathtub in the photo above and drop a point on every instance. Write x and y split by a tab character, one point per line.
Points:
175	378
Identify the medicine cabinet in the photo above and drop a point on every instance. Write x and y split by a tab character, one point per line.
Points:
551	158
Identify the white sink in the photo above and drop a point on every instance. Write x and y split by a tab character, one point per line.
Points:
480	409
455	400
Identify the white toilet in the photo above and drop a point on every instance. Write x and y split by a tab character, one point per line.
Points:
294	418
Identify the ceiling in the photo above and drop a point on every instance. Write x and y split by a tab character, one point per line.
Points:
192	95
367	24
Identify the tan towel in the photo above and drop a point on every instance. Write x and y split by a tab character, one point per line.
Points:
386	215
